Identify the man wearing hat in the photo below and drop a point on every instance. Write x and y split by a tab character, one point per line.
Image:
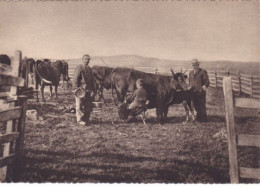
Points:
199	82
84	88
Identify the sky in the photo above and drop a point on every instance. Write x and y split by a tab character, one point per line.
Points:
207	30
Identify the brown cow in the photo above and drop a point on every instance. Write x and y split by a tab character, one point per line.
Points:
160	88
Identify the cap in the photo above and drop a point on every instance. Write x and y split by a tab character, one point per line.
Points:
195	62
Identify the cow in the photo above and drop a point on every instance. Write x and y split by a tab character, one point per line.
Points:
47	73
30	62
160	88
102	77
183	95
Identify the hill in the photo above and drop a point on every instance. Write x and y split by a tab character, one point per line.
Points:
146	62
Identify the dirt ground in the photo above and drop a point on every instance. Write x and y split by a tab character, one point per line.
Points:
109	150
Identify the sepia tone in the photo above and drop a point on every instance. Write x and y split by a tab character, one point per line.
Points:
45	43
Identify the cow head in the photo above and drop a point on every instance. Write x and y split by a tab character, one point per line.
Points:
179	76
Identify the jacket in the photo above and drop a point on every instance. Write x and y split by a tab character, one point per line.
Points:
83	78
198	80
138	97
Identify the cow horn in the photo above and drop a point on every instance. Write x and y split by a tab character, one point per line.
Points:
172	72
185	71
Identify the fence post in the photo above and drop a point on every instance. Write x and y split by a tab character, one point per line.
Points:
216	79
251	86
239	82
20	140
16	63
228	73
228	96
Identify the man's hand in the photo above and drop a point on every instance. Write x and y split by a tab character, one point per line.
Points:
204	88
189	87
73	91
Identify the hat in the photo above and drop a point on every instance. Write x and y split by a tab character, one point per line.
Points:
80	93
195	62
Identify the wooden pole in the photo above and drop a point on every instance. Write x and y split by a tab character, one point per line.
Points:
228	95
20	140
251	86
239	82
216	79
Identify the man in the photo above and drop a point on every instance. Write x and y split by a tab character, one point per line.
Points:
199	82
137	100
83	79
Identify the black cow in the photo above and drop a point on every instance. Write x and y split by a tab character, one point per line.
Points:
160	88
47	73
183	95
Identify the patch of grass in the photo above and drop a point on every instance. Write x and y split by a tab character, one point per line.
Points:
109	150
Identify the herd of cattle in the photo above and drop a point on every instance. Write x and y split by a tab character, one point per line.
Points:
162	90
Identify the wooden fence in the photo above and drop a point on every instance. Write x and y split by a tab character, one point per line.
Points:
242	139
12	119
241	82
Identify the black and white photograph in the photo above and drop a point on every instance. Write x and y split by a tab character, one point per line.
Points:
130	91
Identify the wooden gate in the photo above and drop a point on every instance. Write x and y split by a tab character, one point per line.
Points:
12	119
234	139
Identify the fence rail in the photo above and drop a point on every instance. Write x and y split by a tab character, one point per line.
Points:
235	139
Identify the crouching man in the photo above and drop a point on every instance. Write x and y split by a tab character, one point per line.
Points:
137	100
83	81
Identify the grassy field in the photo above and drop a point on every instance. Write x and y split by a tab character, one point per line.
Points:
109	150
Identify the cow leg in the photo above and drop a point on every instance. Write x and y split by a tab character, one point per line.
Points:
32	78
159	115
36	88
165	113
184	103
192	110
62	81
50	91
42	91
56	91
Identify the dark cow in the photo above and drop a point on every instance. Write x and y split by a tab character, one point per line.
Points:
102	76
28	63
183	95
47	73
160	88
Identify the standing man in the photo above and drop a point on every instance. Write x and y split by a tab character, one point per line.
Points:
199	82
83	79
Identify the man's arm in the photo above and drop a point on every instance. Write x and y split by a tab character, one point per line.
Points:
206	79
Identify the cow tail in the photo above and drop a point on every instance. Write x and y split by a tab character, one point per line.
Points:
44	80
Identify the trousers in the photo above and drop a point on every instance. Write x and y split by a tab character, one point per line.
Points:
84	107
199	102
